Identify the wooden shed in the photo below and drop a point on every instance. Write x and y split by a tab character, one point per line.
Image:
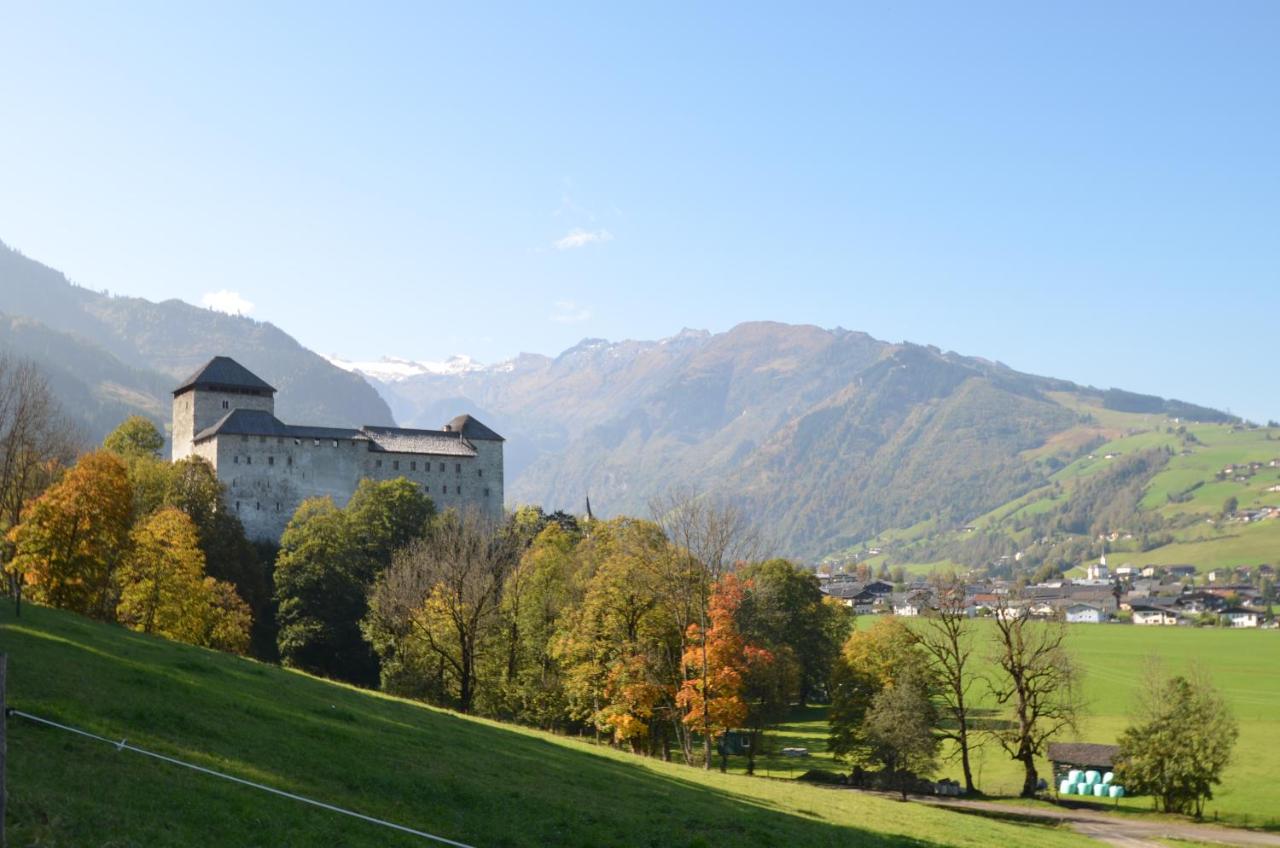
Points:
1086	756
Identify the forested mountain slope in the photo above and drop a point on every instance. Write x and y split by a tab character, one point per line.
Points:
108	356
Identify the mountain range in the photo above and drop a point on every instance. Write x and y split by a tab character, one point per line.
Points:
825	437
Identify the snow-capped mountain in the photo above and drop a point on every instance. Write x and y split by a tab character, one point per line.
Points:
391	369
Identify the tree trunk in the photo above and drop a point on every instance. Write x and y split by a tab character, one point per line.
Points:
1030	777
969	788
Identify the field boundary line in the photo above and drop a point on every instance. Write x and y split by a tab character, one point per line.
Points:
123	745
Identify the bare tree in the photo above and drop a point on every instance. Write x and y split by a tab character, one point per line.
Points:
36	440
710	537
1038	681
946	635
445	589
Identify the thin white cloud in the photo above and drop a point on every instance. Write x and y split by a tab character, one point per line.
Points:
568	312
581	238
226	301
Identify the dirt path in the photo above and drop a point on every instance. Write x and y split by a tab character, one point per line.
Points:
1121	831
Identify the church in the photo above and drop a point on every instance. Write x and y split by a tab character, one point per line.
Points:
226	414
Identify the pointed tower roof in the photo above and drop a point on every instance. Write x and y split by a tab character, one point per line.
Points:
223	372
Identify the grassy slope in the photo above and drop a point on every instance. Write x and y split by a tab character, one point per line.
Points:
1241	663
471	780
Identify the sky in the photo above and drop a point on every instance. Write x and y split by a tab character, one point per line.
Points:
1084	190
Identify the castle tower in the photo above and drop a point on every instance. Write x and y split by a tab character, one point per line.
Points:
210	394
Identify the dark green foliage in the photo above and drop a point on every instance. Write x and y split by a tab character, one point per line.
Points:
783	608
1179	744
900	728
136	436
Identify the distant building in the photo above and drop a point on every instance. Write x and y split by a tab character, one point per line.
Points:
1240	617
1098	570
226	414
1084	614
1154	616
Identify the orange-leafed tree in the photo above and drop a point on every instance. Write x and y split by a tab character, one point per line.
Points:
715	703
73	537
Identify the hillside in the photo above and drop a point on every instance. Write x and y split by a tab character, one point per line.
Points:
825	437
1156	492
109	356
465	779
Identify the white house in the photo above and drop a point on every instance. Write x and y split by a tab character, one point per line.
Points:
1099	570
1084	614
1154	616
1240	617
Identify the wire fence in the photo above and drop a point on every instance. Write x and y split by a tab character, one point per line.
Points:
123	745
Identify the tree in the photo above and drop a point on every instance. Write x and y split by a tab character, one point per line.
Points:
710	537
946	636
36	442
1037	681
1179	742
900	727
872	660
320	592
767	685
1229	506
74	536
713	700
164	590
136	436
443	591
783	607
385	516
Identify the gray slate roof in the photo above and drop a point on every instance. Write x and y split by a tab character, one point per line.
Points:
223	372
1083	753
398	440
471	428
257	422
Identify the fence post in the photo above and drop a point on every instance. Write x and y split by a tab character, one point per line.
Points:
4	719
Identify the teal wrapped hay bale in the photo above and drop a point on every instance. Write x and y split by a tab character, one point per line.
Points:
1108	777
1091	777
1100	790
1066	787
1083	788
1117	791
1074	775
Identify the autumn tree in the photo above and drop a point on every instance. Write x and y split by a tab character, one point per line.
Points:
946	637
1037	682
137	442
872	660
164	590
1178	743
36	442
709	536
73	537
442	594
620	648
721	659
135	436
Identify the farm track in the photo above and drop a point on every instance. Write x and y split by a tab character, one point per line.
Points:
1120	831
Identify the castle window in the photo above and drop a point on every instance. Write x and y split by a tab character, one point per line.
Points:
335	443
236	459
258	505
377	463
428	490
486	493
413	466
248	460
237	506
288	460
226	404
479	472
271	460
395	465
316	443
442	466
457	468
279	441
459	488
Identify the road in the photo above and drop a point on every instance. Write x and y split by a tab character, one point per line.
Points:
1121	831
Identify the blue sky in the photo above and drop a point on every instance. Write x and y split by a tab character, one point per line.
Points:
1090	191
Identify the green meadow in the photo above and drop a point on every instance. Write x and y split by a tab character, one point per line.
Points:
474	781
1241	663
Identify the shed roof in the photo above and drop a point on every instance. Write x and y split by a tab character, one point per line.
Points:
223	372
1083	753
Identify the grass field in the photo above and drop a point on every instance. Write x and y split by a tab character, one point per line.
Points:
470	780
1243	664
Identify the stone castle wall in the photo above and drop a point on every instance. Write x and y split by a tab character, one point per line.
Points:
195	410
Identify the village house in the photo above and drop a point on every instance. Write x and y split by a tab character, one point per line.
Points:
1084	614
1146	615
1240	617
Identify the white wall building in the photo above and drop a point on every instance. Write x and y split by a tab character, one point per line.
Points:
226	414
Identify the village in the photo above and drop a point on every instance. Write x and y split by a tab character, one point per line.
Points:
1149	595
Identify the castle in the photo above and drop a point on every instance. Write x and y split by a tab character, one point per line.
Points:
226	414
